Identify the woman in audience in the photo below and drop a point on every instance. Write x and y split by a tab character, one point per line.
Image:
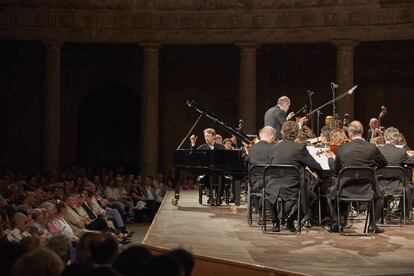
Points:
38	227
61	224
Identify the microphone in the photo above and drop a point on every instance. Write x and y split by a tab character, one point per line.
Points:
351	91
310	92
334	85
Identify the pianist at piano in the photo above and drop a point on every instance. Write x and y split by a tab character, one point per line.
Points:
210	138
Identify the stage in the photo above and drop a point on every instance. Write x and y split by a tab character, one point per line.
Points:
222	233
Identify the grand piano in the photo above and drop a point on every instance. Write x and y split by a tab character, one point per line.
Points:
211	163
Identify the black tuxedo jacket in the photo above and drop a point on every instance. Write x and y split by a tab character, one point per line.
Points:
395	157
357	153
288	152
275	117
258	154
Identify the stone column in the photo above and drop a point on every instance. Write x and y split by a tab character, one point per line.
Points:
247	86
149	153
345	75
52	107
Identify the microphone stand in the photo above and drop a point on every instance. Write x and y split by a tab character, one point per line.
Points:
333	88
318	129
310	93
349	92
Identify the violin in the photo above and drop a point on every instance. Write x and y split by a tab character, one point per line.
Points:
332	148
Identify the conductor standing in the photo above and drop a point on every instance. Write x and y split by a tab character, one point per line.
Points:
277	115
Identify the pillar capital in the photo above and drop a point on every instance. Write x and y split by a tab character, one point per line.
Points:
342	44
53	44
150	46
247	46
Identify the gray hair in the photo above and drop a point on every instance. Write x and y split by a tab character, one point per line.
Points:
210	131
267	132
355	128
390	134
283	100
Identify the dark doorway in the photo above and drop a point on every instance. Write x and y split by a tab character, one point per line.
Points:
108	128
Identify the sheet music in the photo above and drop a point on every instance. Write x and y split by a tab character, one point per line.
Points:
321	158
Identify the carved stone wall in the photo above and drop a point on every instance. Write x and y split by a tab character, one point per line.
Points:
207	21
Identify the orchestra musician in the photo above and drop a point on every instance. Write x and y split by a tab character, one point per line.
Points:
276	115
356	153
289	153
374	129
396	156
259	154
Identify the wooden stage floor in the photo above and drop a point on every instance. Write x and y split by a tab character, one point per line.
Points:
218	232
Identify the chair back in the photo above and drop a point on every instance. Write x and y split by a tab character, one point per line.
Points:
357	181
393	179
256	170
282	171
392	172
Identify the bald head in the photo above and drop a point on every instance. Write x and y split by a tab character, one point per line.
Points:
355	129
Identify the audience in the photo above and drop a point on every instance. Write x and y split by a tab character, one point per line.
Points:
74	225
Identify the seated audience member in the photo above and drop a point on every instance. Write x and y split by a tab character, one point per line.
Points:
162	265
83	248
78	269
61	225
62	246
114	199
9	253
185	258
49	210
104	248
47	263
132	260
21	229
104	271
111	213
91	220
38	227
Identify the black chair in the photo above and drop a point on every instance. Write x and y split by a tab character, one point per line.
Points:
393	182
409	191
256	171
365	178
277	171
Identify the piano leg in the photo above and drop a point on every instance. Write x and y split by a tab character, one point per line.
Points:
237	192
211	189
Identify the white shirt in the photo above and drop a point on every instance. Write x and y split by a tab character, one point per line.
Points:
16	235
64	228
